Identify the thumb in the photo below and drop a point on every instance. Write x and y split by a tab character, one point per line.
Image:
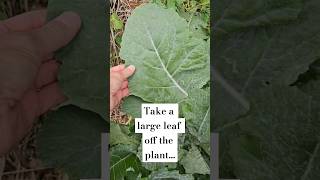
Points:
127	72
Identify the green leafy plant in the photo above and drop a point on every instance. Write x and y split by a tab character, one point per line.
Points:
116	22
3	15
171	62
70	136
172	66
266	88
196	13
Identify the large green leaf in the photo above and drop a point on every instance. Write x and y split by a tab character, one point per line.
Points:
196	23
236	15
312	88
265	54
165	174
123	160
309	82
83	75
196	110
70	138
193	162
280	139
132	106
119	134
171	67
262	48
168	59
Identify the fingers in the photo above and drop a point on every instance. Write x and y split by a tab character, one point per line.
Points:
57	33
126	73
35	103
47	74
24	22
117	68
122	93
115	99
120	76
124	85
125	92
18	119
49	97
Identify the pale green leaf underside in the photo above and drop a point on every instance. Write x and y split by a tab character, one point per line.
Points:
122	158
119	135
196	110
169	60
132	106
193	162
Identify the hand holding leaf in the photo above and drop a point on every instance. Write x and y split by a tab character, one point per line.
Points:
119	83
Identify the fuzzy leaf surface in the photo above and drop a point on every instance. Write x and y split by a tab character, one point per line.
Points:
268	52
280	138
193	162
122	161
168	60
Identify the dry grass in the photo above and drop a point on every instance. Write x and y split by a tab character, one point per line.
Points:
14	7
22	162
123	9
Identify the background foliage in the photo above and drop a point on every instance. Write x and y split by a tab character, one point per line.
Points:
167	53
266	74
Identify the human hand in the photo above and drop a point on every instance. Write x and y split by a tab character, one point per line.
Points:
119	83
28	86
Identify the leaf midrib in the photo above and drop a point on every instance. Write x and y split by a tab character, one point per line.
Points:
230	89
121	159
162	64
309	166
203	120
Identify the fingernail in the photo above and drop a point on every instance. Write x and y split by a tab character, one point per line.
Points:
131	67
70	17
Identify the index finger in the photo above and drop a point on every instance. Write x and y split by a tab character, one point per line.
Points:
24	22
